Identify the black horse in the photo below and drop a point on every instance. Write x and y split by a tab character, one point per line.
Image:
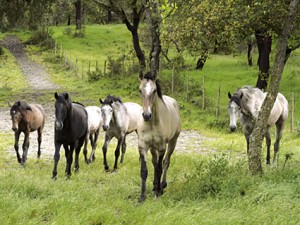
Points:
70	130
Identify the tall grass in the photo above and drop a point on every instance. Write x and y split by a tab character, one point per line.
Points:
202	189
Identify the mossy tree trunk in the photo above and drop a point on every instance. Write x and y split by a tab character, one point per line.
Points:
256	137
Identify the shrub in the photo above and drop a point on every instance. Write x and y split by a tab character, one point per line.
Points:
94	75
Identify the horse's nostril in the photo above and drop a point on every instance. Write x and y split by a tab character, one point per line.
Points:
105	127
232	128
147	116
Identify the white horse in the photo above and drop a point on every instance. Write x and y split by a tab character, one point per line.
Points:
158	130
94	124
245	105
119	119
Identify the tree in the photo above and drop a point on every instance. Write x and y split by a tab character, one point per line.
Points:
256	137
131	14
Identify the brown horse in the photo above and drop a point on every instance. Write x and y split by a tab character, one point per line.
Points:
158	129
27	118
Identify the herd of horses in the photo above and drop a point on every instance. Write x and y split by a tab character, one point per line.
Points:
156	123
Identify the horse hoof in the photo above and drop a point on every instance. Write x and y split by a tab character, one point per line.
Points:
142	199
106	169
54	177
163	185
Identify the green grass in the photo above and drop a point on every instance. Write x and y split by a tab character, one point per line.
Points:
203	189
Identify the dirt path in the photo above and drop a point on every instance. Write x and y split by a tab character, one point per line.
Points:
38	80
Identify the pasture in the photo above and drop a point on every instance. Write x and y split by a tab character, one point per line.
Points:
208	178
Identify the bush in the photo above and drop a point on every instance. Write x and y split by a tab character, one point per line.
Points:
94	75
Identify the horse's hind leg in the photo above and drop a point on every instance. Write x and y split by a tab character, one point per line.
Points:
93	139
86	140
16	146
123	150
279	131
77	151
268	142
39	131
166	162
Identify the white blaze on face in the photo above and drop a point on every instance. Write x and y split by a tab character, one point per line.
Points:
106	114
234	114
148	90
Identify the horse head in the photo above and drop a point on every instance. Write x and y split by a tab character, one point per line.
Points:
234	110
18	112
149	90
107	111
63	105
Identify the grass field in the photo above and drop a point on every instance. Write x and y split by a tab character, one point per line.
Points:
202	189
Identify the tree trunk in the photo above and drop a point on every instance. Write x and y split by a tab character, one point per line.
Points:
78	14
264	44
153	19
249	53
256	137
109	16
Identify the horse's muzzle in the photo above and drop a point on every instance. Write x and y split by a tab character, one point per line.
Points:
232	128
147	116
105	127
58	126
14	129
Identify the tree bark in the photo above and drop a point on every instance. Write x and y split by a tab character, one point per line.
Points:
264	44
249	53
78	14
153	19
256	137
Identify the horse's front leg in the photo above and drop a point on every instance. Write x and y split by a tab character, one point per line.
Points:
117	153
39	139
17	136
144	173
56	159
247	141
123	150
104	150
25	147
158	172
268	142
69	161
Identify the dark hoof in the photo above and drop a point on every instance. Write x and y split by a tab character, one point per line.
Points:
163	185
106	168
142	199
87	161
54	177
19	160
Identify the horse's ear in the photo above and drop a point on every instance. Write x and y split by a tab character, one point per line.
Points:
18	103
141	75
241	95
66	96
229	95
55	95
100	100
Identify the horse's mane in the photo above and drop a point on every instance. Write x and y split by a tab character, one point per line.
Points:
149	76
243	97
110	99
78	103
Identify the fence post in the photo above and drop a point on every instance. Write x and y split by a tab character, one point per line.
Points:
203	93
104	69
218	101
55	48
187	87
173	79
82	70
292	112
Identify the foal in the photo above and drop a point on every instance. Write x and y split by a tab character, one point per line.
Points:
27	118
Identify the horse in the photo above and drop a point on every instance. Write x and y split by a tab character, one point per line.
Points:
71	124
119	119
158	129
94	124
27	118
245	105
